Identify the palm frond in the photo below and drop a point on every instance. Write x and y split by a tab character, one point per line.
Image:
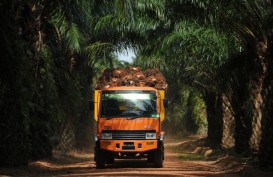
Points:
196	43
125	9
74	38
96	51
107	22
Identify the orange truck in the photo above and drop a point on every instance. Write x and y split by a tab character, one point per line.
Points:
129	124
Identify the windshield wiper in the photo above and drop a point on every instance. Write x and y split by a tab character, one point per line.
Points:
129	115
124	115
138	116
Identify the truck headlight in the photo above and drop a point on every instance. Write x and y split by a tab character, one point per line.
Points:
106	136
150	136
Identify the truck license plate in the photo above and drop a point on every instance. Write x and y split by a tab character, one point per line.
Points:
128	146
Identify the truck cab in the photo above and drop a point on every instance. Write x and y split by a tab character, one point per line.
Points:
129	124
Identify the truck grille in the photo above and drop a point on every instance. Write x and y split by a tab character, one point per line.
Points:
128	134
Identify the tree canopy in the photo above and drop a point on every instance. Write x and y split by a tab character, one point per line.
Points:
215	55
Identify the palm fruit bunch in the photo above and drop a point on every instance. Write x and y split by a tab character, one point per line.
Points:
131	76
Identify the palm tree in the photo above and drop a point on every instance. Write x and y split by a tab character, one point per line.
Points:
12	71
253	27
193	53
105	31
23	38
250	22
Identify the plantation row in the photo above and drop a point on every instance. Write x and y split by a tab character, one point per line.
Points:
216	58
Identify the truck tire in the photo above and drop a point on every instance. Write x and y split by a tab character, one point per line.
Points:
100	159
158	160
159	156
150	157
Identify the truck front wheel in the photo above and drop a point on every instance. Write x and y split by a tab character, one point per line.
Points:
159	156
100	159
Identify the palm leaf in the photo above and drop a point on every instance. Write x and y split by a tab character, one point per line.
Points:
74	38
96	51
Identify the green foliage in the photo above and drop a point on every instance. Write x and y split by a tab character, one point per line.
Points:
196	114
190	57
99	51
196	44
186	115
74	38
49	65
38	92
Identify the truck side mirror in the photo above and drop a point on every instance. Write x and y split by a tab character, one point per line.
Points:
166	103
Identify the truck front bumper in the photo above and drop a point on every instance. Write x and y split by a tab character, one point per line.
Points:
138	146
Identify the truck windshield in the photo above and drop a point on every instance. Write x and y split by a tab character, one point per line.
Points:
129	104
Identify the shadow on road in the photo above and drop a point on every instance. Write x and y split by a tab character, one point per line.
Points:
82	165
130	164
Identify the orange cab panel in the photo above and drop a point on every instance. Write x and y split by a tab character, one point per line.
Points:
127	124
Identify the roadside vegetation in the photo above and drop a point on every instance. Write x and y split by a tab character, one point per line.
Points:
216	57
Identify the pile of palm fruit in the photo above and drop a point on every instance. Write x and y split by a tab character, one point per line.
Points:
131	76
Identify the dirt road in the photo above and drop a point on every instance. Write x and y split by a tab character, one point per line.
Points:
83	165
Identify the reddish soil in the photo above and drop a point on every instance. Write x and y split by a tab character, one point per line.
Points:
79	164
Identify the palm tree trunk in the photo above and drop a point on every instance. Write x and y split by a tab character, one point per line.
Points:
32	22
240	105
84	133
237	99
215	118
32	16
261	68
228	140
247	103
22	40
266	143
